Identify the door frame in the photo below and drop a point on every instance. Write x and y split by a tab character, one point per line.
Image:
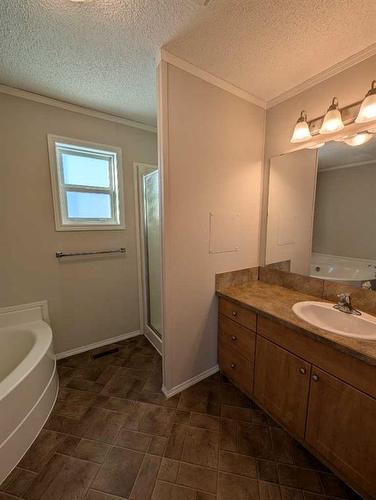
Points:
140	169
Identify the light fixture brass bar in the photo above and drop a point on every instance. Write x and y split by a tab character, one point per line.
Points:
349	113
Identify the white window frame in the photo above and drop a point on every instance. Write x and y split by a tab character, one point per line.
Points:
59	188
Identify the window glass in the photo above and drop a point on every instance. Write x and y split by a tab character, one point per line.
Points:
88	191
84	170
88	205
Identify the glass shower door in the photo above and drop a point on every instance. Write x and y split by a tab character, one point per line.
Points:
152	239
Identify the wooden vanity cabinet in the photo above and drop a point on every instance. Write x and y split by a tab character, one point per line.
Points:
236	344
341	426
237	337
238	313
237	368
282	385
324	397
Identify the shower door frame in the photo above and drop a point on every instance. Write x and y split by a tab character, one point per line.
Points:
141	169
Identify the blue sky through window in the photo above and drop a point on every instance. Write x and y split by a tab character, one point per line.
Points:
85	170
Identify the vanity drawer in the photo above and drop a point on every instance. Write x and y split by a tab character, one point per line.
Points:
236	367
237	337
237	313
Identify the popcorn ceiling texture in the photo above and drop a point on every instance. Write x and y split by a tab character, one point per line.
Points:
267	47
101	54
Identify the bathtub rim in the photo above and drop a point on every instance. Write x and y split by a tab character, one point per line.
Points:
32	358
40	306
339	280
53	379
33	317
361	264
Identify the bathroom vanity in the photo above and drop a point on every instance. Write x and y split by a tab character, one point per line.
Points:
320	386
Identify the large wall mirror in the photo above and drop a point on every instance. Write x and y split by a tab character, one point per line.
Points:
322	213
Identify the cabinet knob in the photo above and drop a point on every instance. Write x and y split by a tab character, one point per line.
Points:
315	377
233	338
302	370
234	313
233	365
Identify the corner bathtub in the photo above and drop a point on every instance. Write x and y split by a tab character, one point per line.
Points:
28	380
344	270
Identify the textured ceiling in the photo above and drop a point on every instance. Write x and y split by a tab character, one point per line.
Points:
267	47
101	54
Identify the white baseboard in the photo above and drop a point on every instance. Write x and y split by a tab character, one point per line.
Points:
153	338
94	345
188	383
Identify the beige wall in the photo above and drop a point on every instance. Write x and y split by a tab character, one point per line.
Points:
349	86
345	212
212	149
89	300
291	200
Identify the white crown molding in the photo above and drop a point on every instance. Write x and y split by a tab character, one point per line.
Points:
208	77
158	57
4	89
324	75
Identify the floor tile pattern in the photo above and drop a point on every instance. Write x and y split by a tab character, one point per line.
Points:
113	436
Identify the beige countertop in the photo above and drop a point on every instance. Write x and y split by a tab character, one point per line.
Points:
276	303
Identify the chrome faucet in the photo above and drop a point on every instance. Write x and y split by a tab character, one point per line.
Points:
344	304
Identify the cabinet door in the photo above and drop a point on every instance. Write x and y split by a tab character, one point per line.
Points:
282	385
341	426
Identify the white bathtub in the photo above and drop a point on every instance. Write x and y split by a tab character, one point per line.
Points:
342	269
28	380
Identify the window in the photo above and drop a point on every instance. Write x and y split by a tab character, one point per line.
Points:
86	184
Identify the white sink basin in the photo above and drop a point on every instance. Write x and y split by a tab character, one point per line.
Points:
323	315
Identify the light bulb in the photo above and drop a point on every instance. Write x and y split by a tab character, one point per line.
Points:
358	139
367	110
333	120
301	130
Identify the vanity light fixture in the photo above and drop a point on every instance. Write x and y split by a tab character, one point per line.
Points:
358	139
301	131
332	120
367	110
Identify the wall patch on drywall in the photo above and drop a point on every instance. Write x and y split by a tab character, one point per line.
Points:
224	231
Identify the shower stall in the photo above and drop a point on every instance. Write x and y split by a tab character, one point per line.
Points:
148	210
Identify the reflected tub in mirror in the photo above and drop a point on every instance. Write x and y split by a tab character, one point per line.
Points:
321	213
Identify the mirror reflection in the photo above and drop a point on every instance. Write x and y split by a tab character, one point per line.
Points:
321	213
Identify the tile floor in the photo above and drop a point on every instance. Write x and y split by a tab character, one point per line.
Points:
113	435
